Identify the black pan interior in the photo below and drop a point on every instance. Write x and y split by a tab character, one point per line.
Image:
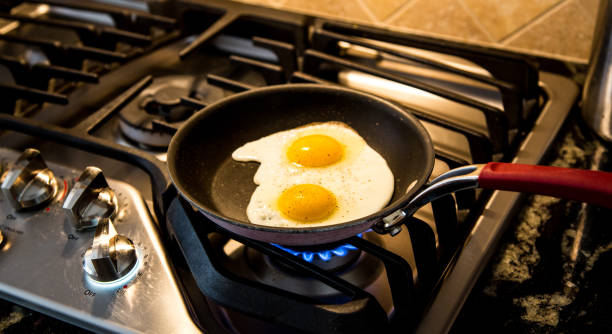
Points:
200	160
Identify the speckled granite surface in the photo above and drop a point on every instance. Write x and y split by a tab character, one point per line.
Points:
550	273
16	319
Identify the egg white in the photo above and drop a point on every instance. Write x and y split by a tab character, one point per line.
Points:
361	181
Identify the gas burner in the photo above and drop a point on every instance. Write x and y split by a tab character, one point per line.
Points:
160	103
345	261
361	270
328	257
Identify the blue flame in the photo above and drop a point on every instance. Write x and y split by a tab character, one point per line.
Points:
324	255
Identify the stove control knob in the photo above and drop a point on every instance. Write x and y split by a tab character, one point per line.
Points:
112	256
29	182
90	200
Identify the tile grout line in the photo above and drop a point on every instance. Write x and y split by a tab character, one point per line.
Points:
368	12
479	24
399	11
536	20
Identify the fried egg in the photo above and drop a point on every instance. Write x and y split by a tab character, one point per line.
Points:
315	175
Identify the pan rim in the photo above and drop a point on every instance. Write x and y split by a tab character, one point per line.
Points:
400	203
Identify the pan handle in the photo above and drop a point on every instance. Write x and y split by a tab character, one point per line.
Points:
576	184
457	179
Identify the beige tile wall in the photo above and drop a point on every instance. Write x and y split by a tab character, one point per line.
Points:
553	28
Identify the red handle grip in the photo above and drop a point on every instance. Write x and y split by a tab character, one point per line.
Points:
577	184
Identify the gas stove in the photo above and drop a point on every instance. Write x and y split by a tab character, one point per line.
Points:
94	92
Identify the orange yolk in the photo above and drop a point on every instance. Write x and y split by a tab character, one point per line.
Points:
315	151
307	203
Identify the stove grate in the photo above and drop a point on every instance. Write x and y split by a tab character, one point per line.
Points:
97	49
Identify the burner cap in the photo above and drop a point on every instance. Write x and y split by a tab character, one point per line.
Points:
169	96
161	102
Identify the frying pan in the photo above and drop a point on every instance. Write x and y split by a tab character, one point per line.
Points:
201	167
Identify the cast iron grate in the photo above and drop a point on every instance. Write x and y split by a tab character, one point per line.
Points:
98	49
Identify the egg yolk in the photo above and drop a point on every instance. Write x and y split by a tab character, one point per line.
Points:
307	203
315	151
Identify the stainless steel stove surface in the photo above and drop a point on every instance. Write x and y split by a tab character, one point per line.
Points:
114	249
42	265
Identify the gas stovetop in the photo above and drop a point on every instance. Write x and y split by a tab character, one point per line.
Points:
92	91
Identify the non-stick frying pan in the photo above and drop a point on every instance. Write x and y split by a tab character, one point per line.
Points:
201	167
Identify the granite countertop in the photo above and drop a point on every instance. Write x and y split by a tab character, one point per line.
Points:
16	319
548	275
